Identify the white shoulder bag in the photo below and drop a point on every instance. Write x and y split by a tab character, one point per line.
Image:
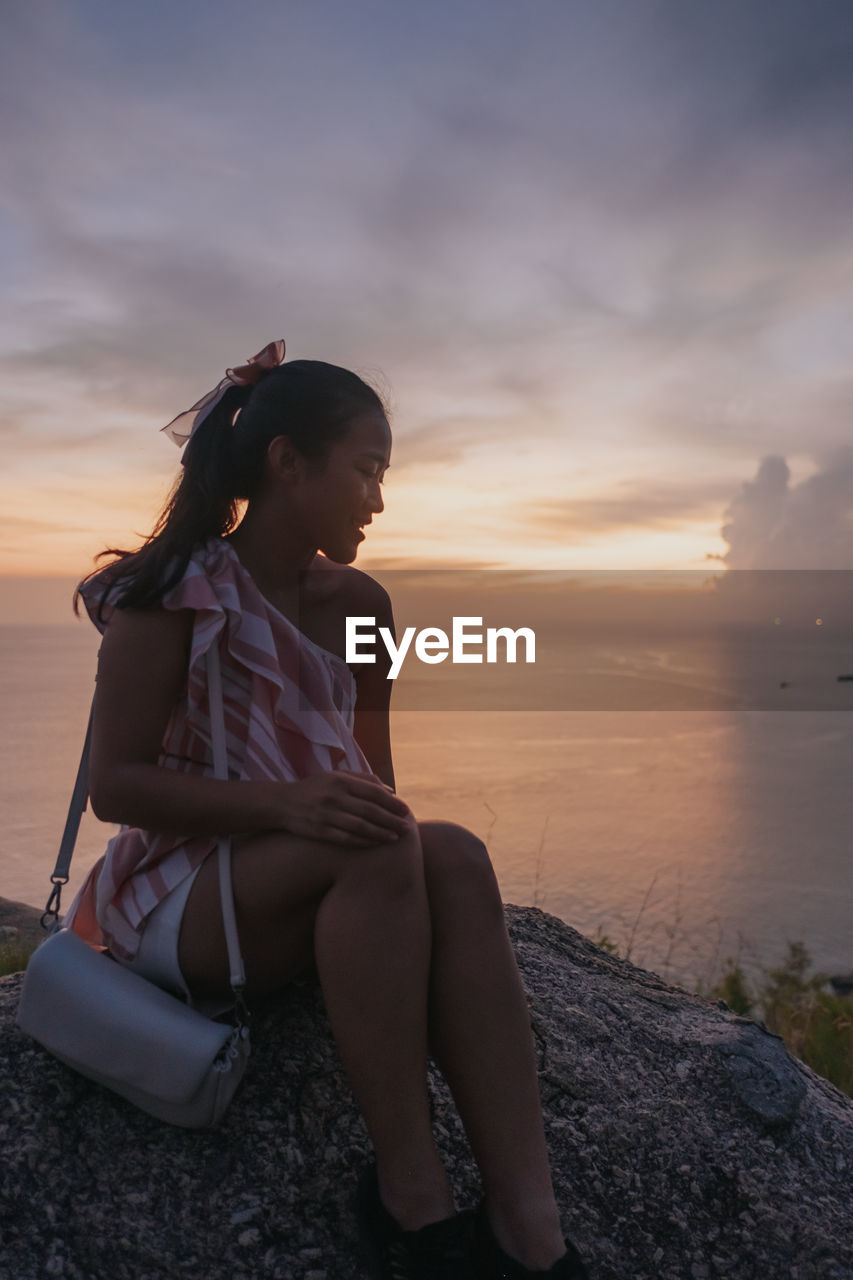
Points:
117	1028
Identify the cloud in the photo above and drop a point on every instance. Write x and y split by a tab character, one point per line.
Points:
648	504
772	524
12	525
431	442
757	96
595	230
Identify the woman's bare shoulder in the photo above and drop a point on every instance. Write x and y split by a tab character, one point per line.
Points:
149	632
358	591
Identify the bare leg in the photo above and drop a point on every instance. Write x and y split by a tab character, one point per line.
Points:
482	1041
365	913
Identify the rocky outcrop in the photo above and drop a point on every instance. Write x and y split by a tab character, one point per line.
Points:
686	1144
20	924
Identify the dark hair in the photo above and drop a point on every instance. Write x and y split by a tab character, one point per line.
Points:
309	401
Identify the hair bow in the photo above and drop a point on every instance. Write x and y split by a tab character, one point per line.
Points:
181	429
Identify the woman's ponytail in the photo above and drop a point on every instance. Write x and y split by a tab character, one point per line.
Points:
309	401
203	504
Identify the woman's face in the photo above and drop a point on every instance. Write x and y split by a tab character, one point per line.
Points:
345	494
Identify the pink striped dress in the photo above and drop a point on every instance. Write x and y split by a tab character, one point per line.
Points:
289	709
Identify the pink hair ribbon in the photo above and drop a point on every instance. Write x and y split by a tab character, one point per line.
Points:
181	429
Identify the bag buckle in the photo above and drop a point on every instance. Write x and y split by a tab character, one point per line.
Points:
241	1009
51	911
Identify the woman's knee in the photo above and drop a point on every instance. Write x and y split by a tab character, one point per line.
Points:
279	870
391	869
456	858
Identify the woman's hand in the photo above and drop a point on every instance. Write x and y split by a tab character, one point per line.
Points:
344	808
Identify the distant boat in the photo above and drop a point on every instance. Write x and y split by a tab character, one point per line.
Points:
844	677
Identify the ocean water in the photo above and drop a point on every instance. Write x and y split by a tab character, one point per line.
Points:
684	835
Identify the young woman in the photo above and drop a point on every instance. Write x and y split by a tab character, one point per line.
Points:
330	868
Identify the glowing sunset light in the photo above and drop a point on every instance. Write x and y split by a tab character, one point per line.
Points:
599	352
59	528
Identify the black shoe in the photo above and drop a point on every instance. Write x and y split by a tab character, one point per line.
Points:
496	1265
439	1251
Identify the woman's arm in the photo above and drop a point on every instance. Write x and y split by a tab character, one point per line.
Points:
141	675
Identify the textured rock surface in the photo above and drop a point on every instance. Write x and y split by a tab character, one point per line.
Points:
19	923
686	1143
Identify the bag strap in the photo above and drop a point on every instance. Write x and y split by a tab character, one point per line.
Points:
77	807
220	769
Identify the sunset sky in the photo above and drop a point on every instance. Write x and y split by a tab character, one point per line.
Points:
598	253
